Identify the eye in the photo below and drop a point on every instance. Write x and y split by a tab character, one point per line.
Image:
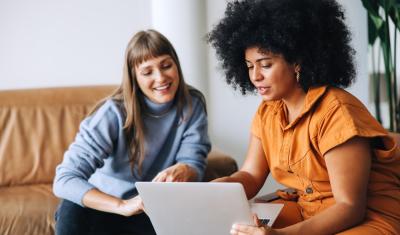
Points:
266	66
249	66
166	66
146	72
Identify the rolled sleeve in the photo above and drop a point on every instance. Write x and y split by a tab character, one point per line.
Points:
93	143
343	122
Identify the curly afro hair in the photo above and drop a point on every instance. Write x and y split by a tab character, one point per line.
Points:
311	33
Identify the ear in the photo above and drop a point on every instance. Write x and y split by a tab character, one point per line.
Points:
297	67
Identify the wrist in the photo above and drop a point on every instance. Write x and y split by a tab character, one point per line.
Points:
120	207
192	173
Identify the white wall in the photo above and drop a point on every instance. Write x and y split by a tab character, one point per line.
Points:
356	18
183	22
45	43
230	112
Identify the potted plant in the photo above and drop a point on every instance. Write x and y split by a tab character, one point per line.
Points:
383	26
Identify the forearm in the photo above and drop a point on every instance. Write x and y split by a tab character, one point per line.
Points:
98	200
249	183
337	218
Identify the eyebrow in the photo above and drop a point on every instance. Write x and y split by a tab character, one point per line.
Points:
162	61
258	60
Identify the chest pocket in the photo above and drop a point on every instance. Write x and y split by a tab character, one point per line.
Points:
309	165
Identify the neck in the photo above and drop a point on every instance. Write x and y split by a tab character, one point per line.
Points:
156	110
294	104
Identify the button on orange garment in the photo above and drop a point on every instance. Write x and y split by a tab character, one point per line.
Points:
295	151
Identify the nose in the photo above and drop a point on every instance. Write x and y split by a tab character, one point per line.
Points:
256	75
159	76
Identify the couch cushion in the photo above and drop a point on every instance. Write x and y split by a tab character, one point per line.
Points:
219	165
37	126
27	210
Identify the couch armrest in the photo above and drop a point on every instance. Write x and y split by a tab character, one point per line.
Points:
219	165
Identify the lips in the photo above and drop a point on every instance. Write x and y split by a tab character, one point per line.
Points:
263	90
163	87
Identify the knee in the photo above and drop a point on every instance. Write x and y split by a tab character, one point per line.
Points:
71	218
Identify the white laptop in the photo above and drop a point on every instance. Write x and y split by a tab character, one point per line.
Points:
200	208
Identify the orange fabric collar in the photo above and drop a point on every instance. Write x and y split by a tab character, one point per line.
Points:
313	95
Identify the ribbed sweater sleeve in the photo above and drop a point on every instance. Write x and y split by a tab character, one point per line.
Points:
93	143
195	144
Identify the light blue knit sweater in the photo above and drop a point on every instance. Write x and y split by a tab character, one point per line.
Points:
98	158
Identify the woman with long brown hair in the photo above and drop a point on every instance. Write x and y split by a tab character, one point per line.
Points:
152	128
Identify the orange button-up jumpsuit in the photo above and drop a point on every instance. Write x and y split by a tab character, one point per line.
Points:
295	155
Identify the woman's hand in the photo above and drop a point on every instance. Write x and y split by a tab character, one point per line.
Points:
131	206
258	229
179	172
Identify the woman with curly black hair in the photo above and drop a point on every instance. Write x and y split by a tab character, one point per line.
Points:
308	132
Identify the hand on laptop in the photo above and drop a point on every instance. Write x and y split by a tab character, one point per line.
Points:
131	206
179	172
258	229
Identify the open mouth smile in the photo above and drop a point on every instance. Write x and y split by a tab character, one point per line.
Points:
163	88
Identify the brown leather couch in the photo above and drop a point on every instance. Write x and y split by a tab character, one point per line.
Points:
36	127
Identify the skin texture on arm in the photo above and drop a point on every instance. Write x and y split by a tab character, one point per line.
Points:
98	200
254	171
348	167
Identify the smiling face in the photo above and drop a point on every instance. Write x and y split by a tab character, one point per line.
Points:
271	74
158	78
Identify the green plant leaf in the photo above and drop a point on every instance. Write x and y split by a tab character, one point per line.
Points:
380	14
394	13
377	21
371	6
386	4
372	31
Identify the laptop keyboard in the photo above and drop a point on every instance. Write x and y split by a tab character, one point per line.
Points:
263	221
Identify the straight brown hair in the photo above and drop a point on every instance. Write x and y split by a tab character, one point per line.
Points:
143	46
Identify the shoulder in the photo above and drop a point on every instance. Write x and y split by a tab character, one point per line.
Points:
111	111
340	116
261	117
338	104
267	108
337	97
196	95
197	98
342	112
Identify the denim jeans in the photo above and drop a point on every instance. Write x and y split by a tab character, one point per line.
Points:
71	219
